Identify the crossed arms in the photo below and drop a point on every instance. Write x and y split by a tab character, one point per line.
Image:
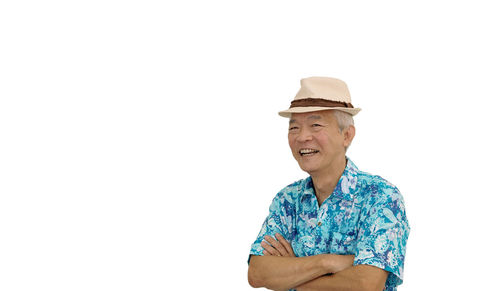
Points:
279	269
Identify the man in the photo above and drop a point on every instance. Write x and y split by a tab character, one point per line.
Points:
340	228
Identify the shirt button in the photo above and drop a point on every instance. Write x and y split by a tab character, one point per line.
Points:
319	223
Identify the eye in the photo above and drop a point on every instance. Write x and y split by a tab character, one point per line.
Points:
316	125
293	128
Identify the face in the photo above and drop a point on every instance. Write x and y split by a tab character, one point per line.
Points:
316	142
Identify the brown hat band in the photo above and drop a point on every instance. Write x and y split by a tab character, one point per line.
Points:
318	102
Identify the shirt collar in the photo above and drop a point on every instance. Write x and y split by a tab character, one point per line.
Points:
346	187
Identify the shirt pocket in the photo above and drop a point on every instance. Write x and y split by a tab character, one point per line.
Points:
343	243
348	225
344	238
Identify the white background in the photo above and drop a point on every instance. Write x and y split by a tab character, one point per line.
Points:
140	145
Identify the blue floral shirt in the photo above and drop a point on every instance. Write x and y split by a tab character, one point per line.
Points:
364	216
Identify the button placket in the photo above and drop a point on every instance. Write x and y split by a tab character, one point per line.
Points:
321	214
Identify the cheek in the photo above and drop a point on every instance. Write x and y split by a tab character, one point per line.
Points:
329	145
323	141
336	144
293	146
290	141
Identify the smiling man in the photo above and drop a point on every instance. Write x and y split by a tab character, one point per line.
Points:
340	228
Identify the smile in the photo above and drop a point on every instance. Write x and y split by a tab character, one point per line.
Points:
308	152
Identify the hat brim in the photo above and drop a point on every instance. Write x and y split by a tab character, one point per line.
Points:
288	113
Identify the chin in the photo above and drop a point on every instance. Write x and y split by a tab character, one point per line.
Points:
307	169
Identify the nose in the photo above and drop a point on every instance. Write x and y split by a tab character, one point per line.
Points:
304	135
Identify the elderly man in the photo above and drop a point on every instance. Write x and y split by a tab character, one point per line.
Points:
340	228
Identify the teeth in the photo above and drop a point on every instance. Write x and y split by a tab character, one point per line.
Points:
307	151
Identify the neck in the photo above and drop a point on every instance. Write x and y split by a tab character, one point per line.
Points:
326	181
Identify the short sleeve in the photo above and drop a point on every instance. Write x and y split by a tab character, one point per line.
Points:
383	235
279	220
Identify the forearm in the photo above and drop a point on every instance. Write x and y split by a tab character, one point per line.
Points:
283	273
353	278
329	282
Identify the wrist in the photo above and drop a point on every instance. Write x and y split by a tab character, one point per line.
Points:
328	263
333	263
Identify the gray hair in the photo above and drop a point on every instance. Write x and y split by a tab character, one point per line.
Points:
344	120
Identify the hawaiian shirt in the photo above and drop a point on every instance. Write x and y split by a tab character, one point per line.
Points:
364	216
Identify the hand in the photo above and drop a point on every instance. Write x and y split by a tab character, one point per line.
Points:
279	247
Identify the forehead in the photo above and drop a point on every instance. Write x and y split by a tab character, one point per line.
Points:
326	115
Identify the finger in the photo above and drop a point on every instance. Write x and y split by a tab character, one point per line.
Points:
271	250
276	244
285	244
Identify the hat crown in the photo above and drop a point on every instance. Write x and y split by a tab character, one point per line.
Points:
323	88
321	93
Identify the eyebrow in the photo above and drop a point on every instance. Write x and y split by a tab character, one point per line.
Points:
315	117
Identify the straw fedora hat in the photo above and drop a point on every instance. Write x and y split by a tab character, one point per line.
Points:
321	93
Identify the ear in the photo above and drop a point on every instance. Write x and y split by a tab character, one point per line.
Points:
349	134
